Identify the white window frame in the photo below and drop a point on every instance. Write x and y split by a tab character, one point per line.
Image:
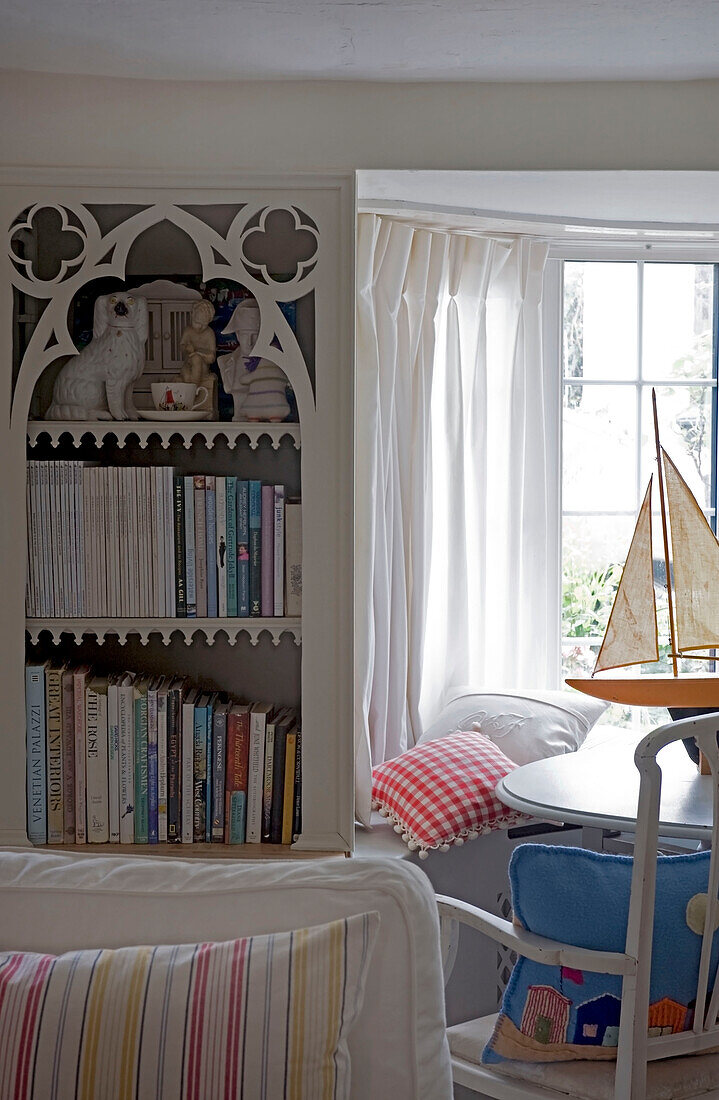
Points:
552	319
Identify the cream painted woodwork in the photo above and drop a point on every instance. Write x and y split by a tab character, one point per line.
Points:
309	222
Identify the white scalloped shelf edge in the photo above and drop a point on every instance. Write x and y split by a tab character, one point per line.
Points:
209	430
187	628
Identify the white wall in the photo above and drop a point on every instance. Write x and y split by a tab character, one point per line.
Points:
57	120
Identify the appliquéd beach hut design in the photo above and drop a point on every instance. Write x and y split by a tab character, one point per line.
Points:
598	1021
667	1017
546	1014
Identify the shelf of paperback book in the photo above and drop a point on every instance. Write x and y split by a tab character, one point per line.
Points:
188	629
210	431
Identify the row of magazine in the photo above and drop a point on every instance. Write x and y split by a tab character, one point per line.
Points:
129	541
132	759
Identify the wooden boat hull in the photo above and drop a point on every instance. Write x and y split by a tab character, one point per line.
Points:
652	691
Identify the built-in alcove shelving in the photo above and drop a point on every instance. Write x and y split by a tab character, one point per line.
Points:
284	240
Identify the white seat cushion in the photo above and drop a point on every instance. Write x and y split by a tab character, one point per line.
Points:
671	1079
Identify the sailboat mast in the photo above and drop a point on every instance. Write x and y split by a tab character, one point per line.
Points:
665	534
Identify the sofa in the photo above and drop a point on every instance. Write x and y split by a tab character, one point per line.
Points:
55	902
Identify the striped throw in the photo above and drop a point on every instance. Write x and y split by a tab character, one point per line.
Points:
263	1018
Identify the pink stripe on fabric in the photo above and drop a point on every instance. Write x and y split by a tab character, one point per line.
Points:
28	1028
196	1026
234	1017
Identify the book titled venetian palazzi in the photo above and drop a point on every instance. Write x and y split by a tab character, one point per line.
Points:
36	755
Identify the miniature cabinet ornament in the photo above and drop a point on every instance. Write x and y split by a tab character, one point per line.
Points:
199	350
97	383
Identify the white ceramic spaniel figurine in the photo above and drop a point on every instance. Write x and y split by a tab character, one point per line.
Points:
97	384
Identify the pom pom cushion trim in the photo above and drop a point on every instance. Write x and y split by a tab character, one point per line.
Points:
442	792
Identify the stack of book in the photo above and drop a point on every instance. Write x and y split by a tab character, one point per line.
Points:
135	759
145	541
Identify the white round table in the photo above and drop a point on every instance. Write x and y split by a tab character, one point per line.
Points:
598	786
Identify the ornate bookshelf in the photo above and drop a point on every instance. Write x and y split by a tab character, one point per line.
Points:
112	228
188	629
77	432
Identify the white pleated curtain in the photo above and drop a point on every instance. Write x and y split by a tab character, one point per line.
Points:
456	500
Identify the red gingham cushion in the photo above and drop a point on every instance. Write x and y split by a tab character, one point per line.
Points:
443	791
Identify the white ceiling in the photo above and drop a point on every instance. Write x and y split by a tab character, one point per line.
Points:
396	40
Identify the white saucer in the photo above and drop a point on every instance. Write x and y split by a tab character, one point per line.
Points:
185	414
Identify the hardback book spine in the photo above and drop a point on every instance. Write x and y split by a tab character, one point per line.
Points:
268	539
174	762
162	696
53	720
231	521
98	831
268	778
68	757
141	776
236	773
255	786
190	575
212	702
113	758
199	796
278	557
255	528
297	809
219	761
152	763
36	754
200	545
188	758
293	559
179	528
79	688
170	590
289	791
126	722
221	536
158	545
211	543
282	728
243	549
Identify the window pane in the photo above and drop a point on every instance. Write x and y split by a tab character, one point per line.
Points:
599	449
600	320
685	431
677	321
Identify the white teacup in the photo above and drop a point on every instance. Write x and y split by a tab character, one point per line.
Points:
177	396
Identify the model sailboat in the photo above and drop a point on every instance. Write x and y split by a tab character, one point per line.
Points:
631	637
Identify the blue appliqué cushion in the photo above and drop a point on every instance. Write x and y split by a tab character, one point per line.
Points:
553	1013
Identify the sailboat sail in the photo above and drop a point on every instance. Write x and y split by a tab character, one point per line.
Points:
631	635
695	561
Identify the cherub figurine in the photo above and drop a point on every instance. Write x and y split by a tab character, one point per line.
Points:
199	350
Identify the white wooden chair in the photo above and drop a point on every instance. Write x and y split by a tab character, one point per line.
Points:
638	1074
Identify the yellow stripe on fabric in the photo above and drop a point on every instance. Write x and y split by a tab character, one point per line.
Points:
297	1010
334	985
93	1020
130	1035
